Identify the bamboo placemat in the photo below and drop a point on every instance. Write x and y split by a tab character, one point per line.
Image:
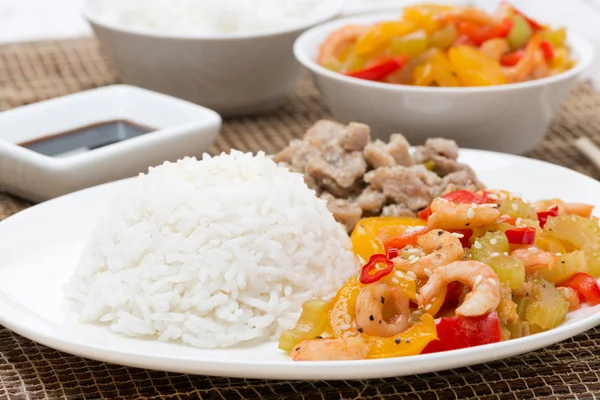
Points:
31	72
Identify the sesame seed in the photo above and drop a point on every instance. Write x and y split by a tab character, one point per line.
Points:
473	205
478	279
412	274
519	221
458	235
505	216
395	280
411	257
427	307
514	206
415	260
492	281
493	241
505	253
532	250
477	245
493	196
490	205
427	271
399	274
345	327
470	213
418	298
558	254
443	199
494	254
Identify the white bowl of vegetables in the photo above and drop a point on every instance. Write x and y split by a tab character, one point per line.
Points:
488	81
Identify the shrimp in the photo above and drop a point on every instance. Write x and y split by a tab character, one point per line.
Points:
535	258
495	48
570	296
370	304
351	348
338	40
581	209
484	296
525	66
449	215
442	248
540	67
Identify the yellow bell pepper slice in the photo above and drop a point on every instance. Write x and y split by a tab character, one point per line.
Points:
343	310
312	323
368	235
475	68
381	34
408	343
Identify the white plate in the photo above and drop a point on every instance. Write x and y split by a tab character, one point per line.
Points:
41	246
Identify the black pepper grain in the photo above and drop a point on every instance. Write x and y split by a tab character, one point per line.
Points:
398	341
360	330
380	321
407	341
467	224
297	348
440	233
372	318
382	300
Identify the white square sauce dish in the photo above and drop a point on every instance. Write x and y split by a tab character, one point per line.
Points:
58	146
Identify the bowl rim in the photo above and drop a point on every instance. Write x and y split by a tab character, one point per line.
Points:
334	9
581	45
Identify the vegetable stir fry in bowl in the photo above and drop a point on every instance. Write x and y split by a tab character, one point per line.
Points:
435	45
473	269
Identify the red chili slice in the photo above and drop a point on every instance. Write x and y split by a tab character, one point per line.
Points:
521	235
392	253
371	272
543	215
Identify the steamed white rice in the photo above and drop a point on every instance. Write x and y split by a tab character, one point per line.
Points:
211	252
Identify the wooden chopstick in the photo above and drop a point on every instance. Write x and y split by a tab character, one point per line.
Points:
587	147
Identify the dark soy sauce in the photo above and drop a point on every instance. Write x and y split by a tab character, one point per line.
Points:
86	138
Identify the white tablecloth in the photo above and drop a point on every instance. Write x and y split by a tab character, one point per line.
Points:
23	20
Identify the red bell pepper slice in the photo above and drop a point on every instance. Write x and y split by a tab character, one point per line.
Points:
461	332
587	287
513	58
371	272
547	49
397	243
453	293
380	70
543	215
465	239
479	34
521	235
459	196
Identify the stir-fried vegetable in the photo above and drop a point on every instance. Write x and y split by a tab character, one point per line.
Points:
432	285
448	46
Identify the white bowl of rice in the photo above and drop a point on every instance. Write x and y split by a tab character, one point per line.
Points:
211	253
234	56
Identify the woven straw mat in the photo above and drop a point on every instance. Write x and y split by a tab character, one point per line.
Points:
31	72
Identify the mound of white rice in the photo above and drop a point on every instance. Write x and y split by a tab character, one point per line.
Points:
211	252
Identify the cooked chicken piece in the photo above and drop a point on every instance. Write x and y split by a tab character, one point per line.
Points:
342	168
402	185
356	137
396	152
460	180
397	210
371	200
344	211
